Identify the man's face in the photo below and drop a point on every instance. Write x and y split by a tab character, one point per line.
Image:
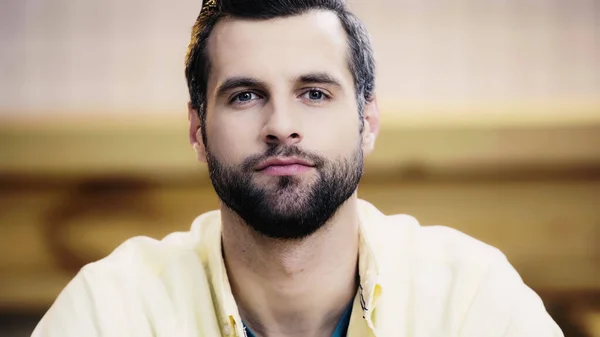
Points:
283	141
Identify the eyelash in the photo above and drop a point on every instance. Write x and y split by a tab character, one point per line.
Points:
234	99
325	95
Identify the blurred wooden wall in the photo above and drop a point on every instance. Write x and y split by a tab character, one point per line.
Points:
69	196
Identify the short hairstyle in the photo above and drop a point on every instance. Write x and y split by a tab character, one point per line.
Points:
361	61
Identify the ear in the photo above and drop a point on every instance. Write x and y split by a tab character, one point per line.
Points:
371	125
195	134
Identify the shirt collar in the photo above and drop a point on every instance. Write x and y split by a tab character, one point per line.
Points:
227	312
209	226
368	263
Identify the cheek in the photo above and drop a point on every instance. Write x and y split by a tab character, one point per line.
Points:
336	136
231	140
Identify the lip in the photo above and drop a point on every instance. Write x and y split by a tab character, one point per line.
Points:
282	162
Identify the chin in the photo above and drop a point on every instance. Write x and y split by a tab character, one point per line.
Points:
289	199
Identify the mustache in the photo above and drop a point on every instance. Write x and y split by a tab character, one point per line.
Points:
283	151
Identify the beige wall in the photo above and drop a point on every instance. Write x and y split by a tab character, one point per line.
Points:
502	59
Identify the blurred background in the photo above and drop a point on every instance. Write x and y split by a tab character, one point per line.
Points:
491	125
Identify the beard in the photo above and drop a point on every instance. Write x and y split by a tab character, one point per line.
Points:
291	208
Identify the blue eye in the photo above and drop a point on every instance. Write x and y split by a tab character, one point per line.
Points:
315	95
244	97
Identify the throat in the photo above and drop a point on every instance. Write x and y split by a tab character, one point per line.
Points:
293	297
334	326
304	317
293	288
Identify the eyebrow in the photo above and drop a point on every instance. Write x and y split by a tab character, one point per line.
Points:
238	82
319	78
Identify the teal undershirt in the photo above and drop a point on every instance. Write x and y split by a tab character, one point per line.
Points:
341	329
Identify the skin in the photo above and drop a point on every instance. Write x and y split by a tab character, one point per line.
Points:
286	287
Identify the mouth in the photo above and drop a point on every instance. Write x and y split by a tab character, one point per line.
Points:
284	166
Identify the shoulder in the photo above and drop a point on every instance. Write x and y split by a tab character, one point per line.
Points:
431	257
450	246
438	254
136	283
474	279
150	256
402	234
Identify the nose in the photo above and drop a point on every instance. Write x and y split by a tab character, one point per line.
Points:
281	128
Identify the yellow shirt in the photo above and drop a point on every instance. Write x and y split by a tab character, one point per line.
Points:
414	282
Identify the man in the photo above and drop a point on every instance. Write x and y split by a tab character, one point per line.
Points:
282	111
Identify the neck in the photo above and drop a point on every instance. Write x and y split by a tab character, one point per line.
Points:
293	287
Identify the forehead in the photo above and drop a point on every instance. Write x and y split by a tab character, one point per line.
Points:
281	47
